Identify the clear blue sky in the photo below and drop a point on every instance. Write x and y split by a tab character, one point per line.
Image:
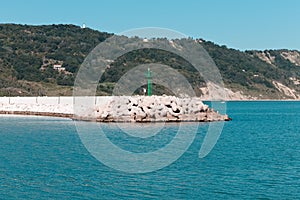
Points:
241	24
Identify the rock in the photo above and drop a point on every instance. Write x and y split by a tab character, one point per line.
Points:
133	101
137	114
166	100
201	117
163	113
204	108
171	117
156	108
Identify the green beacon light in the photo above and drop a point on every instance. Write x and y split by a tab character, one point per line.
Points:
149	77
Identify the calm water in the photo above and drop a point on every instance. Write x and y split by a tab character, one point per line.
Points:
256	157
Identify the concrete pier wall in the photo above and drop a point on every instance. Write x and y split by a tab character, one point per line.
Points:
66	100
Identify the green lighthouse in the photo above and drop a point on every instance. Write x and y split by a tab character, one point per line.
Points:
149	77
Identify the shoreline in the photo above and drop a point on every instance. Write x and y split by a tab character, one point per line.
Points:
71	117
38	114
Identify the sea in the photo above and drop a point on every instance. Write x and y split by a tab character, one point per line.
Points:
256	156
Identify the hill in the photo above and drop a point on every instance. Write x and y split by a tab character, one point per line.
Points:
29	53
43	60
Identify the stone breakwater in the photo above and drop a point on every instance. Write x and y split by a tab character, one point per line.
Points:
114	109
157	109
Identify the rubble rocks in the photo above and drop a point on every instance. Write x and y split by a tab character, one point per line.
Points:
157	109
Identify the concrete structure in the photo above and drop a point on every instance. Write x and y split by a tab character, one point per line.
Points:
113	109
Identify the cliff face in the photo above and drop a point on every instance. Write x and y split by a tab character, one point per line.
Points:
292	56
287	65
44	60
255	74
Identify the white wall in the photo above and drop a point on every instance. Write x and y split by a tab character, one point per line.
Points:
69	100
48	100
23	100
4	100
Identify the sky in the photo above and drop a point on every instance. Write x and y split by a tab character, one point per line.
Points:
239	24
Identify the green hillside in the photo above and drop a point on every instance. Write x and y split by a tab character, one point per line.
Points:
28	55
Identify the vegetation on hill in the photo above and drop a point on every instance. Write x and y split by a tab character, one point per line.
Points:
29	54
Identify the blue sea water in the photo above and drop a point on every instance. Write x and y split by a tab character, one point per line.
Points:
256	157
